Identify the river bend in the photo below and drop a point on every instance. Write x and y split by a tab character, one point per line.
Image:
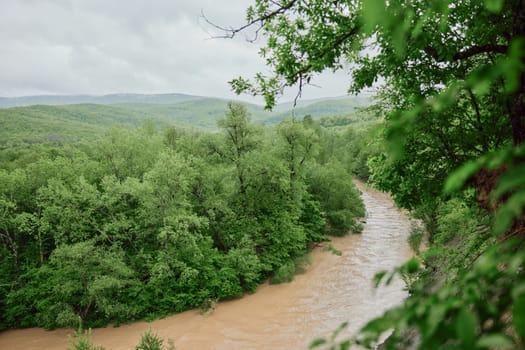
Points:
288	316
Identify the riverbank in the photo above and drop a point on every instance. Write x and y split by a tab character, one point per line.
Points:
333	290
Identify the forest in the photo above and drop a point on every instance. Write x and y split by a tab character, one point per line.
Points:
78	119
146	222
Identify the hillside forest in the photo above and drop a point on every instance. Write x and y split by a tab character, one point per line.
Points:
148	221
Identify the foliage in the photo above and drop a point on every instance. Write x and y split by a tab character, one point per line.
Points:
81	281
454	107
151	341
285	273
337	197
82	340
478	304
61	124
330	247
301	263
417	234
143	223
361	117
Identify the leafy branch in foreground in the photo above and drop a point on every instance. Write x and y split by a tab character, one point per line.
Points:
453	92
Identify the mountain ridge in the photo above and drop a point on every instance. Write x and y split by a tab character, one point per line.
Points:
88	121
56	100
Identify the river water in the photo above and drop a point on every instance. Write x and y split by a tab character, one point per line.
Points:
288	316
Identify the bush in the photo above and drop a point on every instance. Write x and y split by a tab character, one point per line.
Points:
82	340
285	273
416	237
152	341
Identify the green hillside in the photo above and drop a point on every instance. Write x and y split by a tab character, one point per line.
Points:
323	108
85	122
201	113
42	123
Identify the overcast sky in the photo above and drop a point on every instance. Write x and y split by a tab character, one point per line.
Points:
138	46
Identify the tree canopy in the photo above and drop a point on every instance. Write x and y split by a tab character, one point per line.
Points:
144	223
451	77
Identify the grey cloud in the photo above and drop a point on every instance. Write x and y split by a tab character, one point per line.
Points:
101	46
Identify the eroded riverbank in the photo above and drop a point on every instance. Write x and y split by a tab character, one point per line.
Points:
334	289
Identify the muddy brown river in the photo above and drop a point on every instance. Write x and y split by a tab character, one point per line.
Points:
334	289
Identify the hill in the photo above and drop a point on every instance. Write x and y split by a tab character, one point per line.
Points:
69	123
7	102
77	122
323	108
200	113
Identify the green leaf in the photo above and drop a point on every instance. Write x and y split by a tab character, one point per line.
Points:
412	265
378	277
377	326
494	340
518	313
457	179
510	210
373	13
435	317
339	329
515	265
512	66
509	181
494	5
518	291
316	343
345	345
399	40
498	158
466	325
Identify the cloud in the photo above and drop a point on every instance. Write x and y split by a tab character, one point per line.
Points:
100	46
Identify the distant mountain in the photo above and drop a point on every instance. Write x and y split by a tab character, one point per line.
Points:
323	108
85	122
7	102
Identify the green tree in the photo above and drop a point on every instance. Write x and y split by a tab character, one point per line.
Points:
240	139
15	221
299	145
128	153
454	97
331	185
168	183
70	211
87	280
80	280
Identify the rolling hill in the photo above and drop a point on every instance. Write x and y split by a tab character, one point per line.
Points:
87	121
7	102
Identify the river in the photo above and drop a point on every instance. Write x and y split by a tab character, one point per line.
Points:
333	290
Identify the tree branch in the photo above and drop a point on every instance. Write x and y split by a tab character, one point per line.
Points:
302	73
476	50
467	53
230	33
